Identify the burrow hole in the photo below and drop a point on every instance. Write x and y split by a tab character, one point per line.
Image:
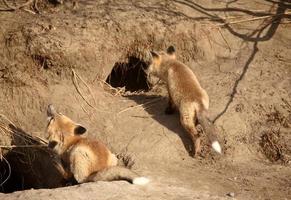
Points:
28	165
130	75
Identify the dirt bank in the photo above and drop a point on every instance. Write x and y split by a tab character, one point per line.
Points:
64	54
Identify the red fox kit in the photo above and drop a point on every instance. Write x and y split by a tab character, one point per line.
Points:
84	159
185	94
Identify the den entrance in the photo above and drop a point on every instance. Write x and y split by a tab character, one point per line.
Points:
130	75
26	162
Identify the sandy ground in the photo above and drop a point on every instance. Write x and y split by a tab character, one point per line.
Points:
245	68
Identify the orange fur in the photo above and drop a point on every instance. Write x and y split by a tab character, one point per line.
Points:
185	94
82	158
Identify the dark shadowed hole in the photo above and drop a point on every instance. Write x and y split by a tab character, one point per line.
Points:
130	75
28	169
28	165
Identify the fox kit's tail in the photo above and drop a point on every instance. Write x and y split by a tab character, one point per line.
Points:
118	173
210	131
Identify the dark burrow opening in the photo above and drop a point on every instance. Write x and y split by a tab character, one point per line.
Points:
130	75
28	165
21	171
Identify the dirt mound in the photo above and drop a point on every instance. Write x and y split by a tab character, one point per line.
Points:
69	54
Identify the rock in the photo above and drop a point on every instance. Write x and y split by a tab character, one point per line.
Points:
230	194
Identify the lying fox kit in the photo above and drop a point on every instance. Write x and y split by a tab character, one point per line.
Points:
82	158
185	94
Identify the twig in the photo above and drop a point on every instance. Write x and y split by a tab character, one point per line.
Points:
7	119
116	91
22	146
9	169
36	6
75	74
140	116
41	139
12	8
78	89
253	19
30	11
9	131
18	7
75	82
85	111
5	128
140	105
224	39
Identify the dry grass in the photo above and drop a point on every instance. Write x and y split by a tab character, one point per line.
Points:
126	160
30	6
274	146
108	88
18	142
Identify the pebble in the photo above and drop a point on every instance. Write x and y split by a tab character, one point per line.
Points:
230	194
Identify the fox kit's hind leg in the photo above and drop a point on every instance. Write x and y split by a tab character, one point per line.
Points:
187	118
171	107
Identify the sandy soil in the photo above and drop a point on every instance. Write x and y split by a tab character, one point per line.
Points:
245	68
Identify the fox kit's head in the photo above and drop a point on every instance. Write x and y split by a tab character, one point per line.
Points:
61	130
158	59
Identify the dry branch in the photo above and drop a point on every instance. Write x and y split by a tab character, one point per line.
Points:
9	169
140	105
22	146
253	19
224	39
22	6
29	140
18	7
75	82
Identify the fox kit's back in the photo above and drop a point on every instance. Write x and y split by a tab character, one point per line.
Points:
185	95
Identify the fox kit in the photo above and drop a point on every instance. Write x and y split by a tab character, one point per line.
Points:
185	94
82	158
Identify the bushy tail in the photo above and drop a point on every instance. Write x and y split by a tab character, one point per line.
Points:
210	131
118	173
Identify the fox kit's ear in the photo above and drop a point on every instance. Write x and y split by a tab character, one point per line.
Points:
171	51
79	130
51	111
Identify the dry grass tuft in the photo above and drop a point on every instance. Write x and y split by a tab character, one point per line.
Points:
126	160
274	146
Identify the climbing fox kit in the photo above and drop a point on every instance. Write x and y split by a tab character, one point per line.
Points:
185	95
82	158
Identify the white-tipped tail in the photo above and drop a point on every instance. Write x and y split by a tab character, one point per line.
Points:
216	146
140	181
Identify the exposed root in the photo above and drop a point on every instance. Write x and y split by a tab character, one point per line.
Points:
22	6
9	169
